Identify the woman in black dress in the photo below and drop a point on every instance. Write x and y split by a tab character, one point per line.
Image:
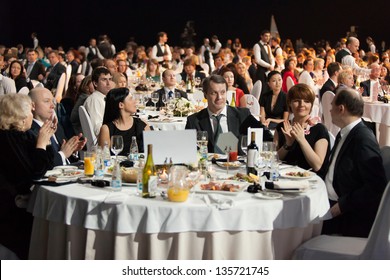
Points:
273	105
17	73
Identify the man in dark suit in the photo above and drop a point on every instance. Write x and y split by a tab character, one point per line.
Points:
218	116
373	83
331	84
190	72
356	178
55	71
169	90
43	110
34	69
219	64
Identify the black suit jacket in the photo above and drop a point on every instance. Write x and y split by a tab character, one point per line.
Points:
327	86
197	75
161	92
60	135
359	180
37	69
55	73
366	85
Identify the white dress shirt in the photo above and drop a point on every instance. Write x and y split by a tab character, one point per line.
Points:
222	121
95	105
350	61
258	58
7	85
164	49
329	176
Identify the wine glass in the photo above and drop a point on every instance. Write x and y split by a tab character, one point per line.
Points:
164	100
201	138
267	153
197	82
116	145
171	105
244	144
154	97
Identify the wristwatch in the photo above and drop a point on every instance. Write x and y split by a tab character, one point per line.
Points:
287	147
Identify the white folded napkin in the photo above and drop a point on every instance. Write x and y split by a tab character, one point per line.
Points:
221	202
286	185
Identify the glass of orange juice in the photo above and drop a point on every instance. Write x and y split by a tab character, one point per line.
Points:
89	164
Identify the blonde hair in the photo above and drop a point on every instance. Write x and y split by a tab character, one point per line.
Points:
14	109
343	75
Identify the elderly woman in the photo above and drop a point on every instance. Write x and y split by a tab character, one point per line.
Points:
301	142
118	120
24	159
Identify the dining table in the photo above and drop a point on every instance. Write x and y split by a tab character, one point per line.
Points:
379	113
80	221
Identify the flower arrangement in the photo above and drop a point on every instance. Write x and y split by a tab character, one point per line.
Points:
183	107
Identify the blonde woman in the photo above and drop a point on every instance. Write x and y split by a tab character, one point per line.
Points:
243	72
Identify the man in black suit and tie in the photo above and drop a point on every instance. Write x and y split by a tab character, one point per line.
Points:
356	178
43	109
190	72
55	71
333	69
169	90
218	117
34	69
373	83
219	64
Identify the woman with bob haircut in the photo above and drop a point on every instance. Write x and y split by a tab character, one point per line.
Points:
25	158
118	120
302	142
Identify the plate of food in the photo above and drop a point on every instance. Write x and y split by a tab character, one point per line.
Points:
230	164
268	195
297	174
64	168
228	187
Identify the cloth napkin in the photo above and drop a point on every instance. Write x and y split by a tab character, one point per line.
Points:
220	202
286	185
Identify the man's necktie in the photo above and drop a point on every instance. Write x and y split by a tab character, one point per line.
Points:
337	141
217	132
170	94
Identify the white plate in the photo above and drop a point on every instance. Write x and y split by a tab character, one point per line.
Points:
242	186
268	195
74	175
54	172
120	158
232	164
129	184
283	174
65	167
300	191
216	156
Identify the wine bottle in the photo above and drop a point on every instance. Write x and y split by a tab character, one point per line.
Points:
233	102
252	155
149	177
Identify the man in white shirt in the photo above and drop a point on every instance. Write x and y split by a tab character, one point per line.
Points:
356	178
216	45
96	103
344	56
161	51
264	59
7	85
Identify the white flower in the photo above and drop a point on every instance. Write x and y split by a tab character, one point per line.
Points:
183	107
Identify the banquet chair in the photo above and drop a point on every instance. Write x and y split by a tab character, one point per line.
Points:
255	107
68	74
60	88
385	153
289	83
79	69
206	68
7	254
327	118
256	90
36	83
86	126
24	90
197	97
375	247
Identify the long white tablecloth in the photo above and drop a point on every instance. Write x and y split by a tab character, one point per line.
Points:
379	113
122	225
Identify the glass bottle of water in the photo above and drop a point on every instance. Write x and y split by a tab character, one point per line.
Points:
116	181
99	164
133	149
106	156
141	164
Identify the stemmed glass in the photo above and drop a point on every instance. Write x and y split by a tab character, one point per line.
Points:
154	97
171	105
116	145
244	144
197	82
267	154
164	100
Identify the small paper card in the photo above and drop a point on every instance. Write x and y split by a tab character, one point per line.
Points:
259	137
227	141
180	145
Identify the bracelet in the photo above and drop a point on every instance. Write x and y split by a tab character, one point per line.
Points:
286	147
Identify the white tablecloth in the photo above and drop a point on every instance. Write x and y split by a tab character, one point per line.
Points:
93	214
174	123
379	113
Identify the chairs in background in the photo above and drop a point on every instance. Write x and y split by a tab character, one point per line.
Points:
256	90
86	126
289	83
60	88
68	74
375	247
327	118
253	105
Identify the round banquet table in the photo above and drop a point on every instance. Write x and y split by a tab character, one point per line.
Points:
164	123
79	221
379	113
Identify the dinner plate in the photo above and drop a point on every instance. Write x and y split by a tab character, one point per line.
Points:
161	120
241	186
285	174
129	184
231	164
65	167
281	191
268	195
54	172
70	175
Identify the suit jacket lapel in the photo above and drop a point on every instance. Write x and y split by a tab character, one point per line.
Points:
232	121
205	125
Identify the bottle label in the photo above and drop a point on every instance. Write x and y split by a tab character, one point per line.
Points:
116	184
152	185
107	162
251	159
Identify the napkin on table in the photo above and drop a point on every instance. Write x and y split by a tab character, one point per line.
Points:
221	202
286	185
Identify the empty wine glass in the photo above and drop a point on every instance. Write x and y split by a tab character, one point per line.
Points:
154	97
164	100
267	153
116	145
170	105
244	144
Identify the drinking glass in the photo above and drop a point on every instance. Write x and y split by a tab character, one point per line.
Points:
244	144
201	138
164	100
267	154
155	98
116	145
170	105
89	163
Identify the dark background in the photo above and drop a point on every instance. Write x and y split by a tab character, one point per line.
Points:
72	23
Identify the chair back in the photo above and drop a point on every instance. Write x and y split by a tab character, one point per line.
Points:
254	105
385	153
198	97
378	243
256	90
86	126
80	68
24	90
289	83
60	88
327	118
36	83
68	74
206	68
